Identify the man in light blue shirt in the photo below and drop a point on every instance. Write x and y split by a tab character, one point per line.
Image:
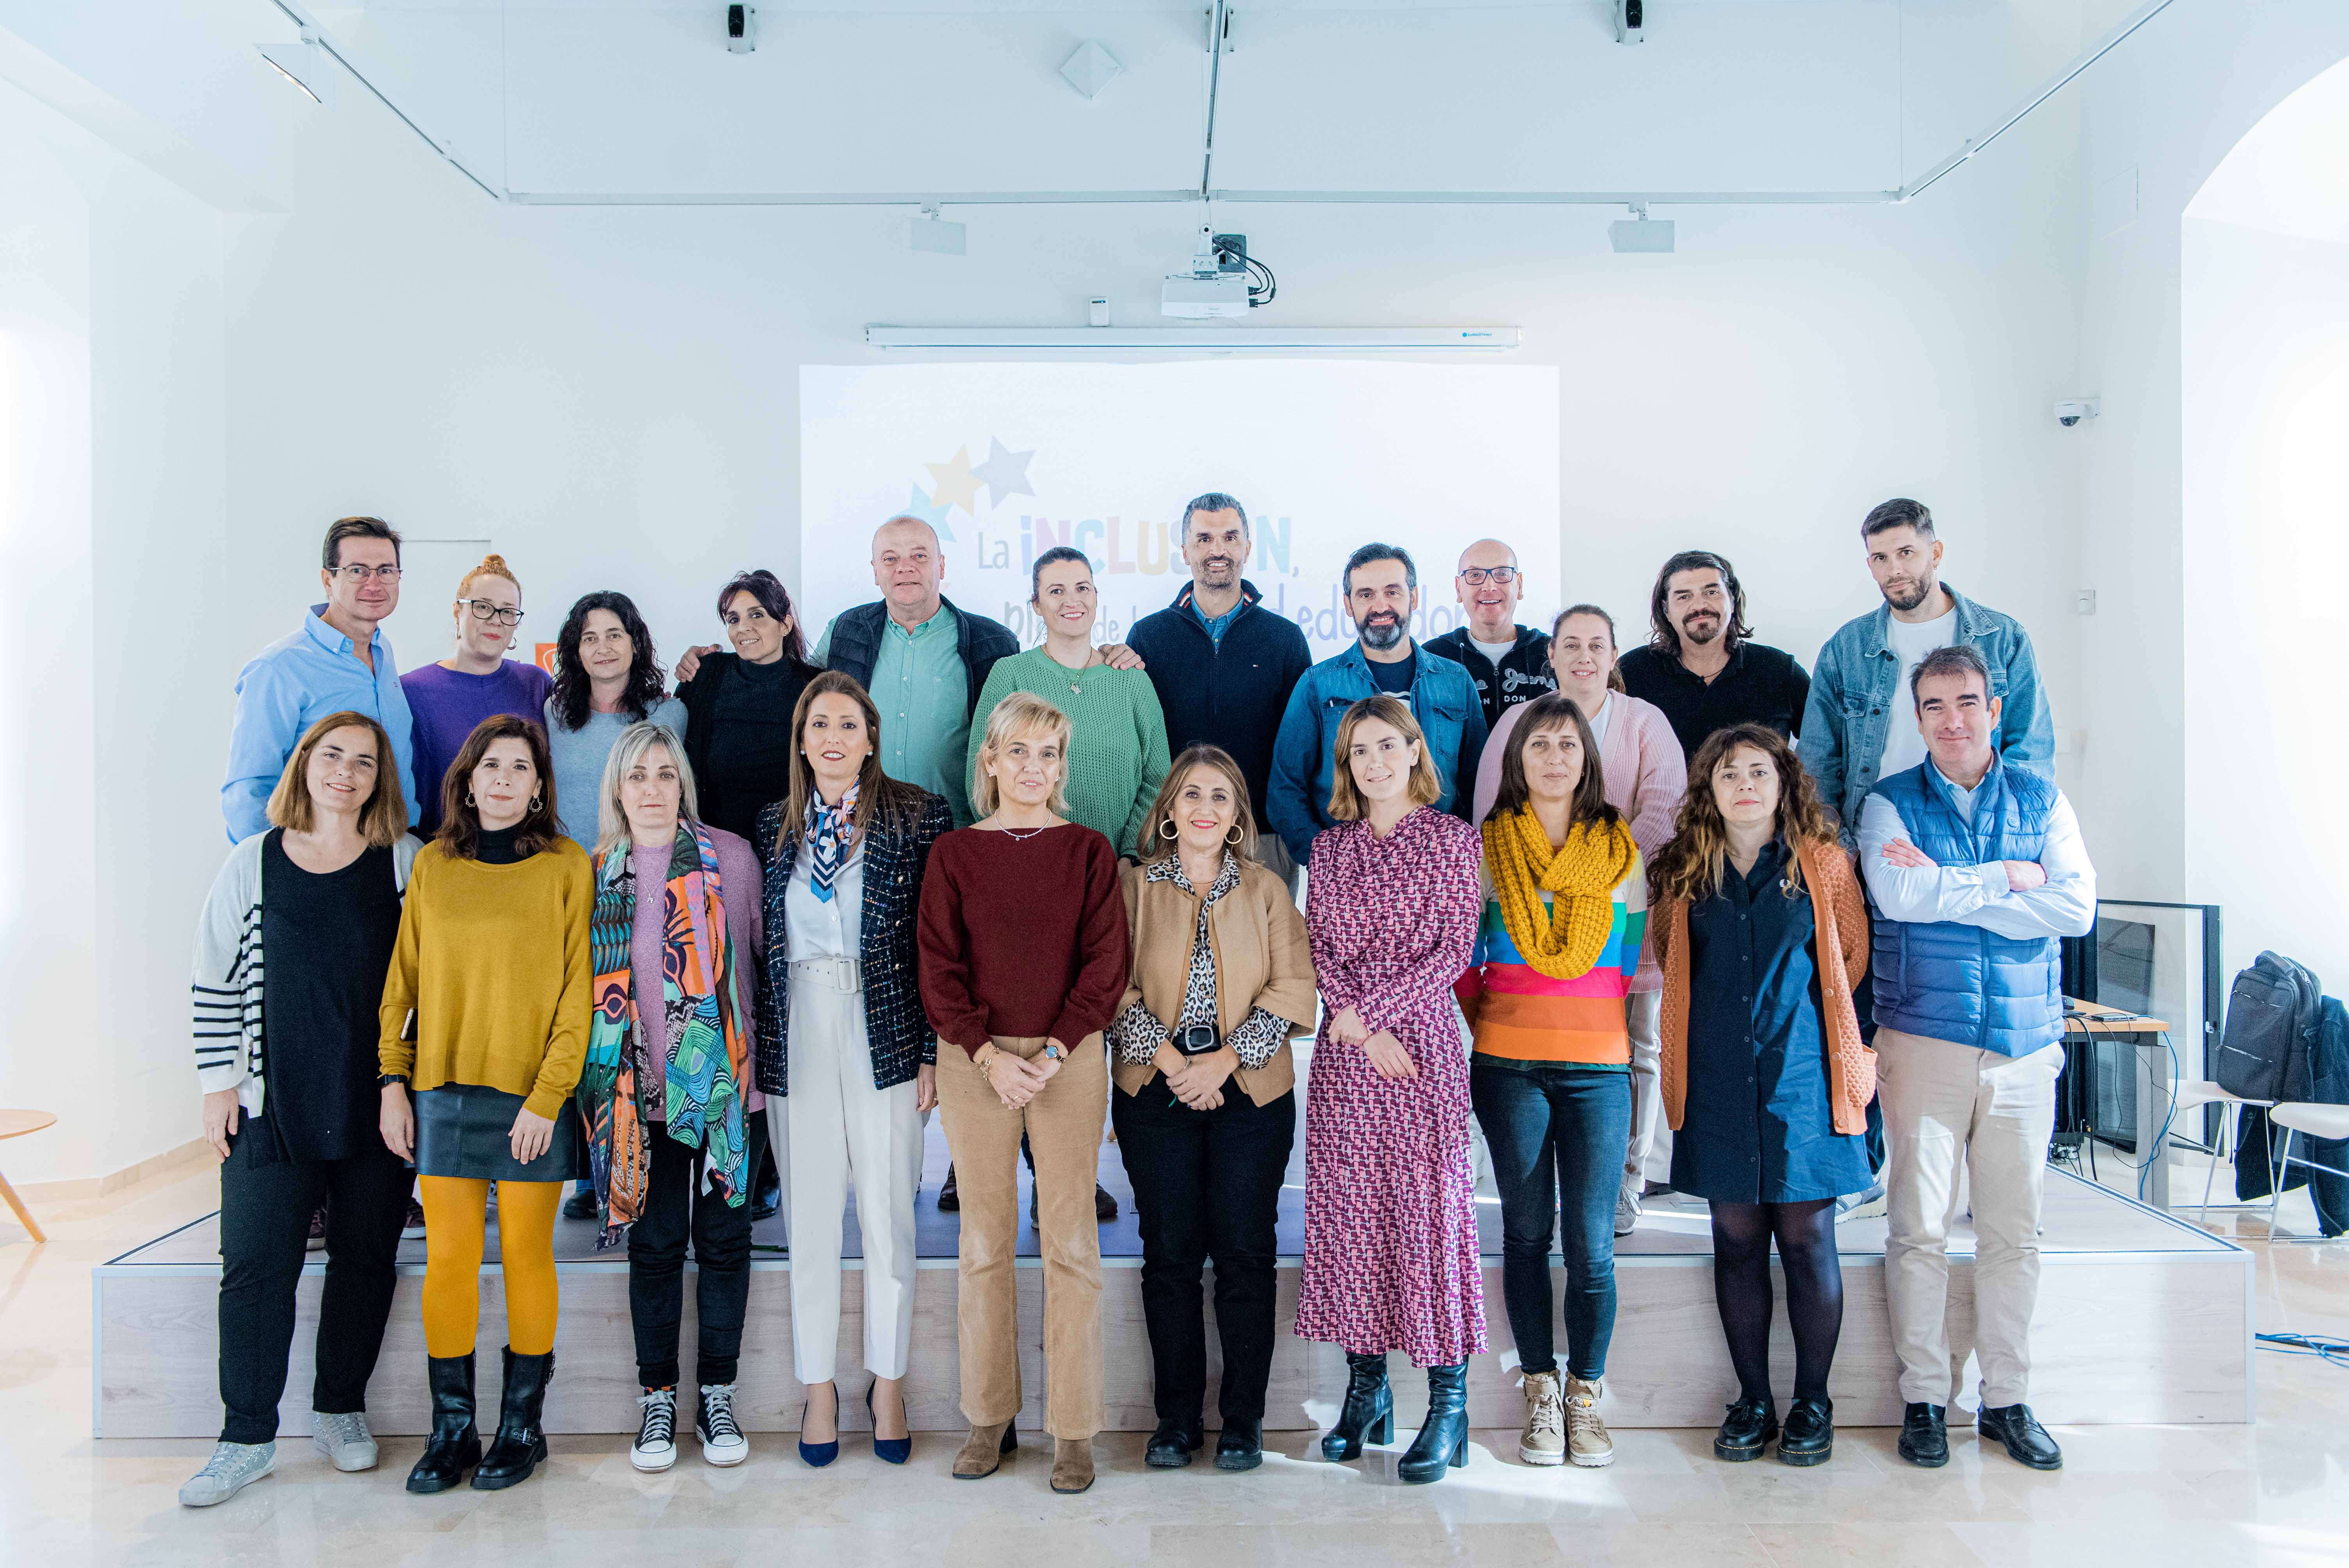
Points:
337	661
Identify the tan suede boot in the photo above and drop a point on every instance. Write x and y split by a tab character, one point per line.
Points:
1586	1442
1072	1464
1543	1442
982	1454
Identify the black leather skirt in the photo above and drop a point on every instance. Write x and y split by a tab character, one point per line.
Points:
465	1131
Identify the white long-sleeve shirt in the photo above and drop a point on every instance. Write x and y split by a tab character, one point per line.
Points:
2065	905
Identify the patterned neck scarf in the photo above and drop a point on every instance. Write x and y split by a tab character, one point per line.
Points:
706	1050
830	829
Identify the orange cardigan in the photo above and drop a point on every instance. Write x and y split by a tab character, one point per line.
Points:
1840	916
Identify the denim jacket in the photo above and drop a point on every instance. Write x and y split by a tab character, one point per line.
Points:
1852	701
1442	698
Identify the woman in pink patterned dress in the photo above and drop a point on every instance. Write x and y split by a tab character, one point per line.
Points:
1390	1257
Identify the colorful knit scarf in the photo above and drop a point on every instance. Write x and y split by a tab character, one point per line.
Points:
705	1052
1580	879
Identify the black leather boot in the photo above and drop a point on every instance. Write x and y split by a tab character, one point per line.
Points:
1810	1432
1443	1440
454	1446
521	1444
1172	1444
2026	1442
1745	1431
1925	1435
1369	1411
1240	1446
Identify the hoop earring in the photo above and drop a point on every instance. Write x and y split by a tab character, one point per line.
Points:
1233	836
531	809
1167	830
468	797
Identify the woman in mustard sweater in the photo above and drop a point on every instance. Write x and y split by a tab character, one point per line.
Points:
491	967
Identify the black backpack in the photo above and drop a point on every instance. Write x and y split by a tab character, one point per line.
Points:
2264	1052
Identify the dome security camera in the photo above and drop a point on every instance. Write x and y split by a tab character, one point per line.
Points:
2072	410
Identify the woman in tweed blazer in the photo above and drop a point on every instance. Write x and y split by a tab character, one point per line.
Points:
845	1054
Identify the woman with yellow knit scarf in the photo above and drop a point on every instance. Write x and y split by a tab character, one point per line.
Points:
1565	904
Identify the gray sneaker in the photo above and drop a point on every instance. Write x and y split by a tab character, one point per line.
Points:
1627	1212
231	1468
345	1439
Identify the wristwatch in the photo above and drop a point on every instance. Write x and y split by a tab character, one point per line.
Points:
1054	1052
387	1079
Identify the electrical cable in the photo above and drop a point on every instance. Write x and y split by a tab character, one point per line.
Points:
1271	285
2323	1346
2168	1115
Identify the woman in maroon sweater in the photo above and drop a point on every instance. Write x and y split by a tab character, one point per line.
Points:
1023	963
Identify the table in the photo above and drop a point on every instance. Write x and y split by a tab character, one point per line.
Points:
2155	1082
16	1124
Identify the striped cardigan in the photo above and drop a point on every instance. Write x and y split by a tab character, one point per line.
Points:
226	980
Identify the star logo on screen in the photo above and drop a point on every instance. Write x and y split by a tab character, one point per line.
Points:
956	482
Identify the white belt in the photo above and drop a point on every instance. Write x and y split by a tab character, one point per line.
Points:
833	973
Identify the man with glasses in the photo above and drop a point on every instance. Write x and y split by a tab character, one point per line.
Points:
1700	665
338	660
1510	663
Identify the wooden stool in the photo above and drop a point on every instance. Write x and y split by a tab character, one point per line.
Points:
16	1124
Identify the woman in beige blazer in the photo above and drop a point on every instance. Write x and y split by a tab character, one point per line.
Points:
1205	1111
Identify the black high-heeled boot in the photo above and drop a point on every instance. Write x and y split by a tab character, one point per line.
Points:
1443	1440
520	1445
454	1446
1368	1413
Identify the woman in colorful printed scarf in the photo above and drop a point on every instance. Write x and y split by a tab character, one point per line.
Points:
673	1129
1566	903
485	1017
846	1055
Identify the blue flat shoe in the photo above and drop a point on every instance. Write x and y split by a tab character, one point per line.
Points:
895	1450
817	1455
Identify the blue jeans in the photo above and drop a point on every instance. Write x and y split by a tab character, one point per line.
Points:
1556	1132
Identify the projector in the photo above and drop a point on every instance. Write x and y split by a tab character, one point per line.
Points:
1197	297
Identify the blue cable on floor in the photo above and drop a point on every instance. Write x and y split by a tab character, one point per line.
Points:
2323	1346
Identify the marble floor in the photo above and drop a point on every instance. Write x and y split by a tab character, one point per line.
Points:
2274	1494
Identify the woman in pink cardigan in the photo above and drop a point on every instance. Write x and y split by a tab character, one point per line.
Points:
1645	774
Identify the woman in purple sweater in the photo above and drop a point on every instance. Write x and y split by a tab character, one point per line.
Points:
447	699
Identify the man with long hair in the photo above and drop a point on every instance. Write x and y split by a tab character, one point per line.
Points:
1701	666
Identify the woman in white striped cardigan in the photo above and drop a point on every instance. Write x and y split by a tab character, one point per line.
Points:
286	1057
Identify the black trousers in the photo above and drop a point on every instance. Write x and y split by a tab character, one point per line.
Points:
1206	1185
264	1234
675	1209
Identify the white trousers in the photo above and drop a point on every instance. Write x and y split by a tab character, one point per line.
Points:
1953	1111
834	1128
1652	1141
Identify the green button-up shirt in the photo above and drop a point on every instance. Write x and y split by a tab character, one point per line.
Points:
924	697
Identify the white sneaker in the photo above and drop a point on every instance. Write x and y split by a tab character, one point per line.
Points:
655	1449
231	1468
344	1439
723	1442
1627	1212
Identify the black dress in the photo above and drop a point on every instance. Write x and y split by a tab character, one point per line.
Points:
737	735
1755	1125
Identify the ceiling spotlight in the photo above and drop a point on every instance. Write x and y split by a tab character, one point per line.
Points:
931	232
1641	233
1090	69
741	29
1631	21
306	65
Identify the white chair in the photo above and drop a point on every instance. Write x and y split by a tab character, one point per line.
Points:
2192	1094
2314	1121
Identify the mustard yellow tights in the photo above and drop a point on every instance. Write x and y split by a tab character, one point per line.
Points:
455	1215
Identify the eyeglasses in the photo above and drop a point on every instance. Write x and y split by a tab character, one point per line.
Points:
1476	576
356	572
485	611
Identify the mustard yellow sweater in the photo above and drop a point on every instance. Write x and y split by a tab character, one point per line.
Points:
493	961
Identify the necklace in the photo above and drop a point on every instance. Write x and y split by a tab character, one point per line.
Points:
1022	838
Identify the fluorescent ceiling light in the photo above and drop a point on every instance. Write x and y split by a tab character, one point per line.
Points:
304	64
1218	340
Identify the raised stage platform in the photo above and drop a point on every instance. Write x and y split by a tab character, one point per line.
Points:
2142	1319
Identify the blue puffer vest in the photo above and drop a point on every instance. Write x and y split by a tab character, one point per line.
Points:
1960	983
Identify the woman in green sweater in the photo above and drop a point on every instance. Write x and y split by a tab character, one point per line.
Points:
1117	750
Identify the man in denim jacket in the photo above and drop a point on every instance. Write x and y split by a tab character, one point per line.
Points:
1382	588
1857	727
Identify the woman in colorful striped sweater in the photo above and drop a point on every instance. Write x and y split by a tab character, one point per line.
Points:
1566	905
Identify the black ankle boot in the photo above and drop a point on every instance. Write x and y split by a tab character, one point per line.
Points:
521	1444
1745	1431
1443	1440
1369	1411
1810	1432
1240	1446
1172	1444
454	1446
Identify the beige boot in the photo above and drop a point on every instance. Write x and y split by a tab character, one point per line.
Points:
1586	1442
983	1453
1072	1464
1543	1439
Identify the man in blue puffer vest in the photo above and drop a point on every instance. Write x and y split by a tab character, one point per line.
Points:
1976	868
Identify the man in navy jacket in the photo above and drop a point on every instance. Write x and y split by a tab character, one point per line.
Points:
1223	664
1381	589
